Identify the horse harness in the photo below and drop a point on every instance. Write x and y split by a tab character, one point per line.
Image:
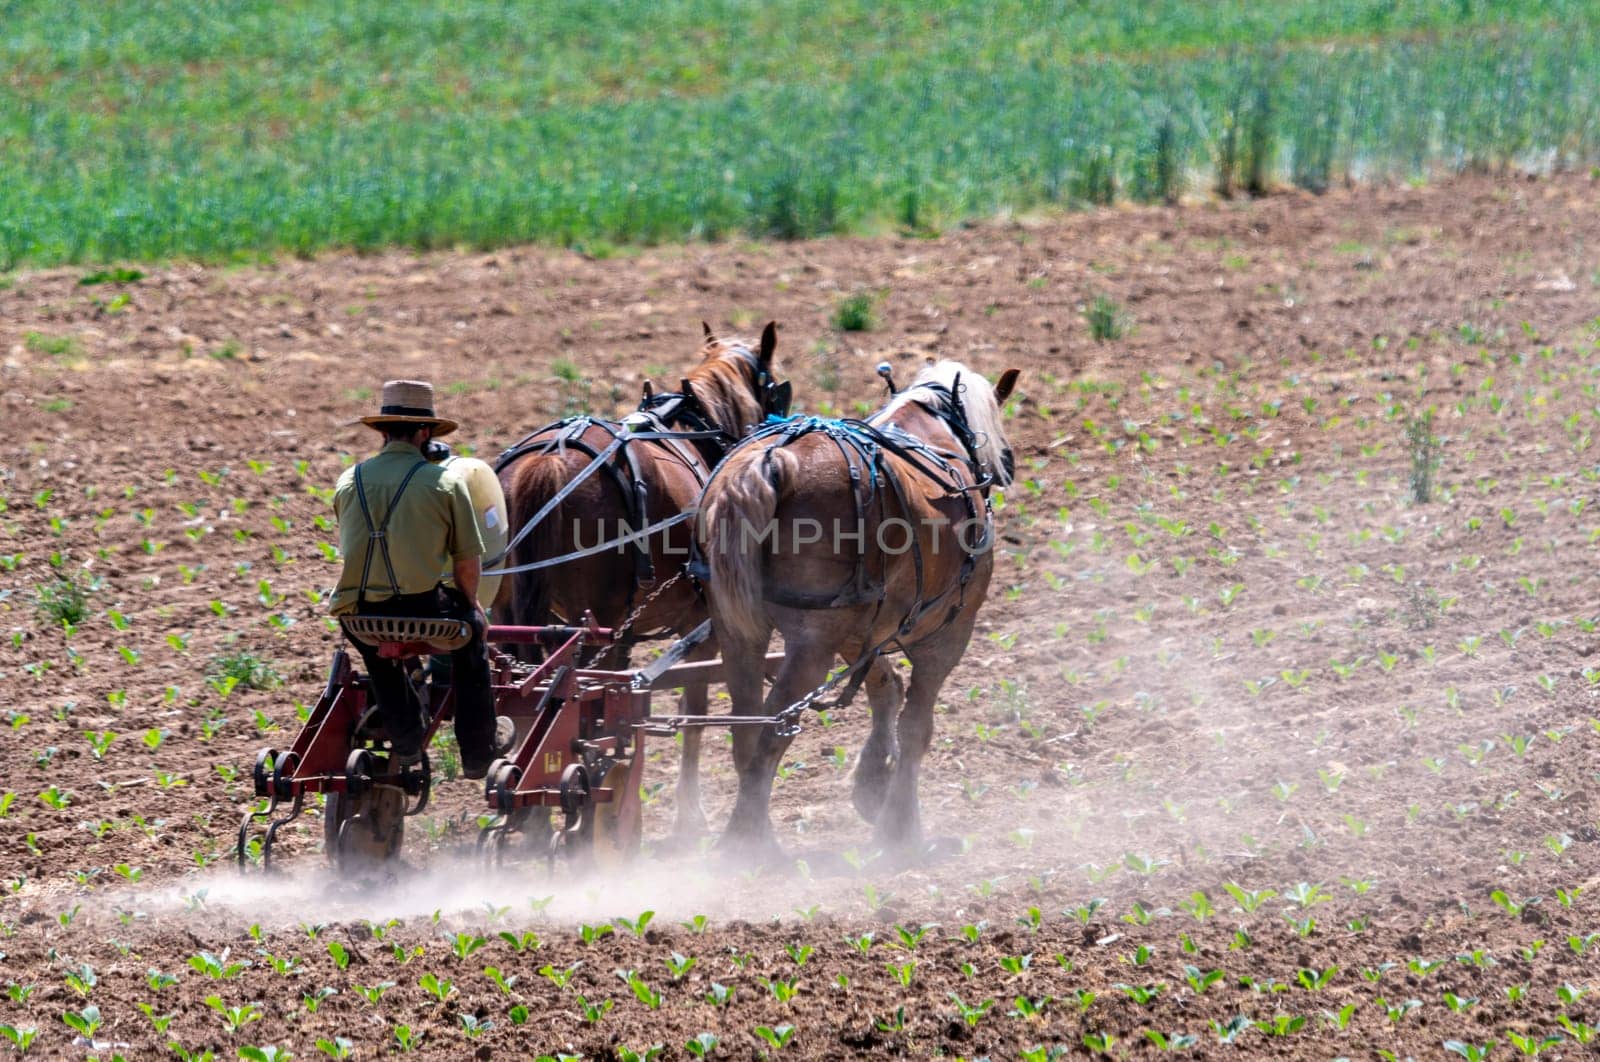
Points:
627	474
863	446
700	444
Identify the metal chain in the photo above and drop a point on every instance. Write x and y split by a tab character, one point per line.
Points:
649	600
787	721
628	624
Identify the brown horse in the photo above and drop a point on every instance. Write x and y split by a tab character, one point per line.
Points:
851	537
636	481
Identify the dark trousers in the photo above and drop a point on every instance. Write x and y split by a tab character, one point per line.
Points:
398	707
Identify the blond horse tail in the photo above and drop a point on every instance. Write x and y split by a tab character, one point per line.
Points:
736	525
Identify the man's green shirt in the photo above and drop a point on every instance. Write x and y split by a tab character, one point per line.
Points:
434	526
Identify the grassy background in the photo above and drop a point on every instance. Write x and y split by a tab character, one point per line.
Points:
217	130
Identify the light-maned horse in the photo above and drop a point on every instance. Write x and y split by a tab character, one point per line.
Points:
852	538
645	482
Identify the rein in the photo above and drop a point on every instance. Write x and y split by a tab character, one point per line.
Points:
656	410
619	439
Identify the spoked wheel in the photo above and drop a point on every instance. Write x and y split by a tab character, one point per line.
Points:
363	827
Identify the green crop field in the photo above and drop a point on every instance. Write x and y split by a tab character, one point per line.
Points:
175	128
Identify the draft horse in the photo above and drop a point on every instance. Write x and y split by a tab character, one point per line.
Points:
852	538
583	482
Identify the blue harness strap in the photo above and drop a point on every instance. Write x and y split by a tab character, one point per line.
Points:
863	446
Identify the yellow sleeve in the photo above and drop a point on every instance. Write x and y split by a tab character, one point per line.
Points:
465	539
342	491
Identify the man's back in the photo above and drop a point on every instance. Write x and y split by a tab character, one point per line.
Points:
432	527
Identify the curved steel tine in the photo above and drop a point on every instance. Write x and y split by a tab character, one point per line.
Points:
272	830
244	828
244	841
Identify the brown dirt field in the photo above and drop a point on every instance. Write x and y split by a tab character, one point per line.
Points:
1223	647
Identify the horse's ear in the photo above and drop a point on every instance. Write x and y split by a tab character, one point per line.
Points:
769	343
709	335
1008	380
649	391
686	388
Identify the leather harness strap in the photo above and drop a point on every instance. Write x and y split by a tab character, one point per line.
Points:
699	446
863	446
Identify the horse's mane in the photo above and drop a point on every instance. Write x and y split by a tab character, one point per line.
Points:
978	405
724	382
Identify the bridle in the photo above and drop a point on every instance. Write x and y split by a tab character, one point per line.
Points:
685	407
773	396
947	407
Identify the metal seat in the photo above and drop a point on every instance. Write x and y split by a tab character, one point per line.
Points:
438	634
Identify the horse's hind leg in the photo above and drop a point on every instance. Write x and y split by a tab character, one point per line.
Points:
691	815
757	750
876	762
899	824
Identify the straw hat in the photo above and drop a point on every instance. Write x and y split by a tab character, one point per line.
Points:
409	402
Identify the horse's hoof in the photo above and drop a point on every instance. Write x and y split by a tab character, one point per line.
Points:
690	827
868	797
751	851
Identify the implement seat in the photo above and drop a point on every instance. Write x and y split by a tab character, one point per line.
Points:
400	637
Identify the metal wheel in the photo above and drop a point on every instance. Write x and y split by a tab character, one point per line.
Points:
364	832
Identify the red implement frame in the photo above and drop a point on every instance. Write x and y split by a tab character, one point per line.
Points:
341	748
578	750
580	739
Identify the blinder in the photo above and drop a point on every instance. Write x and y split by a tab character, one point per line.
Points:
775	397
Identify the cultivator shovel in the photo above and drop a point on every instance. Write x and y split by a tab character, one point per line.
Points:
342	753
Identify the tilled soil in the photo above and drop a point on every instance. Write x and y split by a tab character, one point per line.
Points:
1253	746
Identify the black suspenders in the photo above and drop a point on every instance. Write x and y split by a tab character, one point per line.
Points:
377	533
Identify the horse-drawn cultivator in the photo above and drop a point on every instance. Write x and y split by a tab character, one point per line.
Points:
923	465
579	748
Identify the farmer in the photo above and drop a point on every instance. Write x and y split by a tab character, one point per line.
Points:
404	521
